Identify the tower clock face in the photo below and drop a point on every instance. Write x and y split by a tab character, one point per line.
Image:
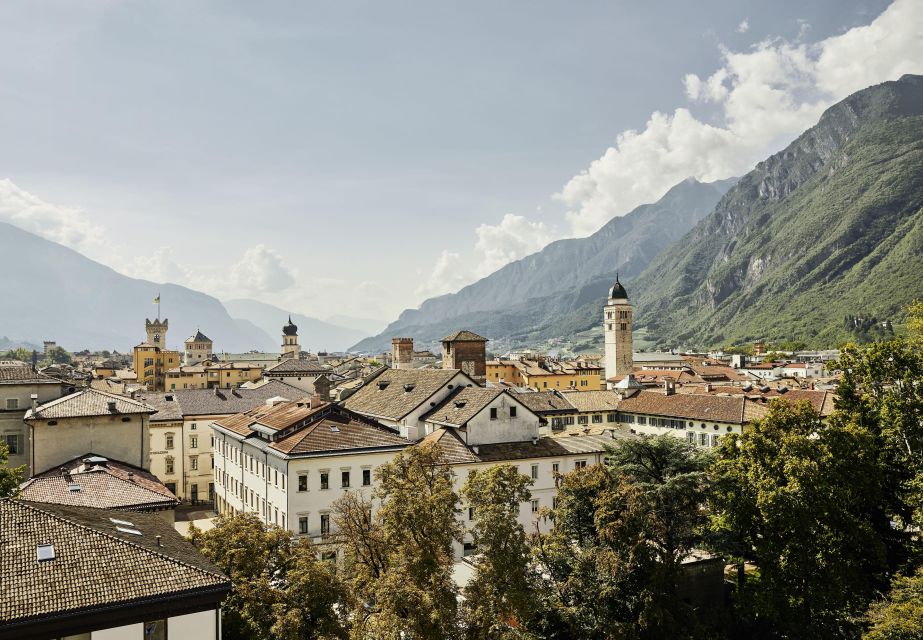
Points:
156	337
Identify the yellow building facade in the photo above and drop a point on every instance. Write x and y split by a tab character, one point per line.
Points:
224	375
547	375
152	363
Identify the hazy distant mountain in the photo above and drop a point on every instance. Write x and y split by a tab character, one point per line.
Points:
526	294
54	293
368	326
313	334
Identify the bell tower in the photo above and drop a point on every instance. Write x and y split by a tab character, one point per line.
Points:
617	330
290	347
157	332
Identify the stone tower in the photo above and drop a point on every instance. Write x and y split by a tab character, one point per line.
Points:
617	329
402	353
467	351
157	332
290	347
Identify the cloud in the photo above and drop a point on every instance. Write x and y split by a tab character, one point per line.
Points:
450	273
159	266
261	270
764	97
65	225
513	238
744	26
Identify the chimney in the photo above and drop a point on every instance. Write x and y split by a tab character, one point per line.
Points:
707	387
34	398
112	406
669	387
159	543
322	388
131	476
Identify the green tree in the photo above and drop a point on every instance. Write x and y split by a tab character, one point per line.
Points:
915	319
792	496
596	561
10	477
23	355
900	617
57	355
398	561
499	600
280	588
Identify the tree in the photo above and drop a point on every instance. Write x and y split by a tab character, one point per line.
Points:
57	355
793	496
280	588
900	617
596	562
499	599
23	355
398	561
10	477
915	319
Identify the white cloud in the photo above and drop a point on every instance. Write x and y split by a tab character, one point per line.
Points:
765	97
65	225
513	238
744	26
159	266
261	270
450	273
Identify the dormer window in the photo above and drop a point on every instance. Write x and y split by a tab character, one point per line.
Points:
408	388
383	385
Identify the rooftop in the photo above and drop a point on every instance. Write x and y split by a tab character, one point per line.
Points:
455	451
682	405
24	374
64	561
461	406
393	393
588	401
86	403
464	336
173	405
543	402
94	481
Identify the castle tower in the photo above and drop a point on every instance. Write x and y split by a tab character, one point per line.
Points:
617	329
197	348
157	332
290	347
467	351
401	353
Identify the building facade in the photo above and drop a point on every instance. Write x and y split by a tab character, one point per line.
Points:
19	386
466	351
197	348
544	374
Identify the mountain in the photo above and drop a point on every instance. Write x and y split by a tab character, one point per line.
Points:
529	293
313	334
55	293
821	235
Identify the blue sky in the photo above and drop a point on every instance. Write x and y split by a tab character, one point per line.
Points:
355	157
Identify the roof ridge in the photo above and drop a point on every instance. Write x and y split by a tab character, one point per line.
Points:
129	543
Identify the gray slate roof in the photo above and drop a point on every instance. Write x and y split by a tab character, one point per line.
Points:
95	566
211	402
294	366
10	374
462	406
455	451
394	393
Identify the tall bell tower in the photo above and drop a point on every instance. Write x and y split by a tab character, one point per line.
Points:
290	347
617	329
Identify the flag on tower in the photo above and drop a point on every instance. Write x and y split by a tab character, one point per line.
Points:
157	299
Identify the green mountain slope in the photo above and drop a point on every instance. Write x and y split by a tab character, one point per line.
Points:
830	227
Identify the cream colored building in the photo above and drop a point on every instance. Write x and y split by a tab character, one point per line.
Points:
19	387
197	348
110	425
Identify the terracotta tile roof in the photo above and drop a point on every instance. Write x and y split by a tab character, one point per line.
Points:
11	374
544	402
592	401
461	406
95	566
277	416
821	400
453	449
464	336
101	483
394	393
657	376
216	402
340	433
683	405
85	403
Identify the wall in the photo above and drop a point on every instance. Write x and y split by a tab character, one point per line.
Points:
11	423
107	436
482	430
160	453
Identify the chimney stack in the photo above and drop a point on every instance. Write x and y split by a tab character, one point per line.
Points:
34	398
669	387
402	353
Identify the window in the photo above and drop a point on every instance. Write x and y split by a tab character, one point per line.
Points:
512	412
703	439
715	438
302	482
690	437
642	419
324	524
554	468
611	418
471	513
557	424
303	525
493	413
324	480
155	630
535	472
193	442
169	441
366	477
469	549
169	465
194	463
554	502
328	556
192	426
12	403
579	464
535	506
344	479
568	420
597	418
583	419
12	442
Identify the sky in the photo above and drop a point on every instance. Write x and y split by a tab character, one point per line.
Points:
354	158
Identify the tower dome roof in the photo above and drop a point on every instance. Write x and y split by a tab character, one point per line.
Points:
291	329
617	290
